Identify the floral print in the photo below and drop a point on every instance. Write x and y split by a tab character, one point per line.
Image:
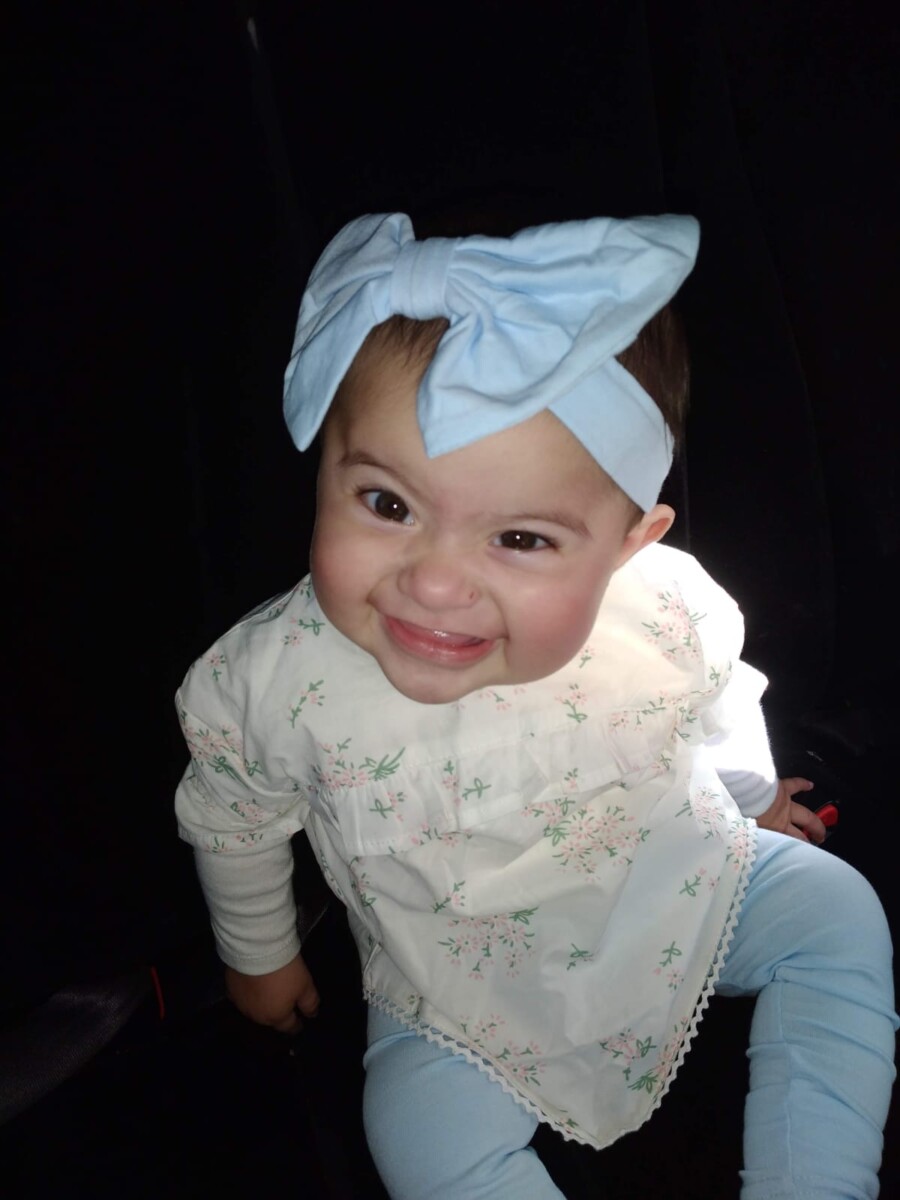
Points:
475	787
313	695
523	1063
216	660
360	883
499	701
430	833
510	848
627	1049
587	654
219	750
681	711
741	845
450	776
674	976
455	898
340	771
294	637
675	631
631	1052
586	837
571	699
577	956
481	943
705	806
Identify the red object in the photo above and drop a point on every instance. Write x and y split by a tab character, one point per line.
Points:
160	999
828	815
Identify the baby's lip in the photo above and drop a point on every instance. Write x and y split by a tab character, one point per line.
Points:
444	646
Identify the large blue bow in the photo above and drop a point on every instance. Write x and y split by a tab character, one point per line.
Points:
535	322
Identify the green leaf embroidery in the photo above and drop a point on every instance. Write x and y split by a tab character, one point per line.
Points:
671	951
577	956
387	766
312	690
478	789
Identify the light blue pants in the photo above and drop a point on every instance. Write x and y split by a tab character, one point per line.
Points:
812	942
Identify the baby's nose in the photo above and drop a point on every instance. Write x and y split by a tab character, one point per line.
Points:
439	580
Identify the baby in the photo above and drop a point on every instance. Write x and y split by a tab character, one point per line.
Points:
519	736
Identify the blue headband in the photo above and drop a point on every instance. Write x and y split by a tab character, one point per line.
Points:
535	322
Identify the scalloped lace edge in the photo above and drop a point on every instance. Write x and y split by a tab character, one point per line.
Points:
715	970
448	1042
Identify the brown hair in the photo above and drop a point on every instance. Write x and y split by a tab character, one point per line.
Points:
412	341
658	360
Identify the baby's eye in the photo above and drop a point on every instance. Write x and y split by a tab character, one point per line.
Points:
520	539
387	505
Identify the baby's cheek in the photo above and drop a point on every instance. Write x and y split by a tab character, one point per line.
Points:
320	569
560	628
333	578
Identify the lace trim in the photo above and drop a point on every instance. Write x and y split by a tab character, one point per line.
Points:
493	1072
714	971
447	1042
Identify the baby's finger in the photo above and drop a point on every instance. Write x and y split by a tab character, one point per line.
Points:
289	1024
308	1002
307	995
807	821
796	783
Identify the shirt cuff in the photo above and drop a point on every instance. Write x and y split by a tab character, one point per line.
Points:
251	905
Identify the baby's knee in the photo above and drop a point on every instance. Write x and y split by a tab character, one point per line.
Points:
807	877
805	909
843	899
840	915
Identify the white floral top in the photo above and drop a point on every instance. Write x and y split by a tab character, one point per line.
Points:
542	877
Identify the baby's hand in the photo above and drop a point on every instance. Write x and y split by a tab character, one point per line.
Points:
274	999
785	816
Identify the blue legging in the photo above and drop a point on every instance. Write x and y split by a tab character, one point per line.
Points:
812	942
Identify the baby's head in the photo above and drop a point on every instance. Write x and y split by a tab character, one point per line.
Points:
480	561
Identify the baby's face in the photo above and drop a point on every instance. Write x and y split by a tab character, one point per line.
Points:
479	568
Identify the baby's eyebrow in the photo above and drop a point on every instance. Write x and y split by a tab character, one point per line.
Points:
550	516
359	458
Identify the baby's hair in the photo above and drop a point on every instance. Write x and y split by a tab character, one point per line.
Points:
412	341
658	360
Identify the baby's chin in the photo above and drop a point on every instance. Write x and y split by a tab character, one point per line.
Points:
436	689
435	692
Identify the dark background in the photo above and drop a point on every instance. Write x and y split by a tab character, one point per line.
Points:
171	187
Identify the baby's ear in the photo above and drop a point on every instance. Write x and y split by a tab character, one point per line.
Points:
650	528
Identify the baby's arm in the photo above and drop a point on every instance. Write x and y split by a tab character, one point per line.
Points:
239	809
250	899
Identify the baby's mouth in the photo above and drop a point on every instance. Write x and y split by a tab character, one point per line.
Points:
442	646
